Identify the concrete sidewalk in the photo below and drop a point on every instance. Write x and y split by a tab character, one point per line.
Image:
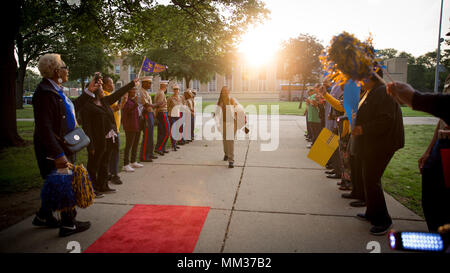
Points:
276	201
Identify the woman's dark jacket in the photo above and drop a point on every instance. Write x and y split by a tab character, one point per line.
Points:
50	125
98	121
130	116
382	124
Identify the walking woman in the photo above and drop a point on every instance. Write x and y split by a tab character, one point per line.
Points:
100	125
228	124
54	117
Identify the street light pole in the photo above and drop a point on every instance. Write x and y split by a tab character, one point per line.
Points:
438	55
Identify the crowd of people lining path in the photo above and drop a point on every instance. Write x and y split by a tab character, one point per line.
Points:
363	154
365	151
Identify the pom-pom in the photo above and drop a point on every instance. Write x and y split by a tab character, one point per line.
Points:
57	192
82	187
63	192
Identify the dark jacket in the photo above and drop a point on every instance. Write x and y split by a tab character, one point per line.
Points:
436	104
130	116
382	124
50	124
98	121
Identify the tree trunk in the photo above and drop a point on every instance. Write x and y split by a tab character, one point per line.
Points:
303	94
20	85
187	80
8	124
289	91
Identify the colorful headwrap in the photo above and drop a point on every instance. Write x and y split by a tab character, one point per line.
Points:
348	58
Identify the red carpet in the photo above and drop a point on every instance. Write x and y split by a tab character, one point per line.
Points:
153	229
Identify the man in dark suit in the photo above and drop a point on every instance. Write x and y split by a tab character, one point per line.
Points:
378	133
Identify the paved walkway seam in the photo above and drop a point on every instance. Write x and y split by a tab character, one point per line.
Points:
234	201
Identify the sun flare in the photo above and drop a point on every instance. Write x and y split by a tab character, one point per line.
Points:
258	47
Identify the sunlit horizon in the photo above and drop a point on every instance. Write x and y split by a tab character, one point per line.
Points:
405	25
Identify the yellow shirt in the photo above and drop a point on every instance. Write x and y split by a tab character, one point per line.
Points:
116	113
336	104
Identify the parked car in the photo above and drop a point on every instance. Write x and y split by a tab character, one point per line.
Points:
27	99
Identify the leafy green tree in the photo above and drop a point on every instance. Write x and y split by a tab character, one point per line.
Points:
195	39
387	53
40	32
32	79
299	60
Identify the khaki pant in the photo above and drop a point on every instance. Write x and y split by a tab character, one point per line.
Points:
228	148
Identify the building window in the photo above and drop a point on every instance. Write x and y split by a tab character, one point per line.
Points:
229	82
262	85
212	84
117	69
131	73
245	85
196	85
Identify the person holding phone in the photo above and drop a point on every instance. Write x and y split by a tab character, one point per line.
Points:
100	125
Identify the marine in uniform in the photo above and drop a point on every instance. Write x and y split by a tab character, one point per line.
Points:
145	107
162	118
173	110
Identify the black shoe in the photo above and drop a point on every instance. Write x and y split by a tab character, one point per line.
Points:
166	152
154	157
76	228
116	180
50	222
98	194
358	204
334	176
225	158
159	152
147	160
177	148
330	172
380	230
174	149
362	216
107	190
348	196
230	165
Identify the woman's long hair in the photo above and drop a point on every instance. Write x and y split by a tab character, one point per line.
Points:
224	98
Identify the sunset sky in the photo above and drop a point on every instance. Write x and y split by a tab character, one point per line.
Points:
406	25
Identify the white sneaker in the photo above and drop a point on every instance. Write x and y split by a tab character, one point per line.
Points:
136	165
128	168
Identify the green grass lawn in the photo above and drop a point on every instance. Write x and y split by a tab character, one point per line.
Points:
26	112
18	167
408	112
402	178
285	108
